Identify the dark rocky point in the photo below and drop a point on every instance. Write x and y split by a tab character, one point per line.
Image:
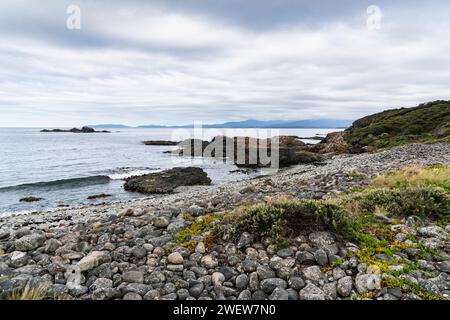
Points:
166	181
76	130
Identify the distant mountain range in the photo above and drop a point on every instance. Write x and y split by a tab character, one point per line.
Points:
280	124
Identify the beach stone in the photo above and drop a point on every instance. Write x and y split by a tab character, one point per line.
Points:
344	286
305	257
139	252
443	266
196	290
286	252
200	248
324	240
133	276
279	294
296	283
245	295
241	281
249	265
245	239
209	262
93	259
18	259
268	285
29	242
101	284
311	292
175	258
161	222
52	245
367	282
253	283
321	257
313	273
217	278
132	296
265	272
152	295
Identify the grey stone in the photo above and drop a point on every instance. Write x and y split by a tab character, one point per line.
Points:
296	283
330	290
443	266
182	294
367	282
101	284
265	272
268	285
253	283
313	273
245	239
321	257
93	259
133	276
139	252
29	242
217	278
311	292
132	296
152	295
292	294
249	265
324	240
245	295
196	290
175	258
279	294
209	262
286	252
241	281
52	245
344	286
259	295
161	222
305	257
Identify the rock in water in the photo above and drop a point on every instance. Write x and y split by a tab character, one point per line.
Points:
167	180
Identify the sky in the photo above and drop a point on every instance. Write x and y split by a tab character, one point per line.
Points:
179	61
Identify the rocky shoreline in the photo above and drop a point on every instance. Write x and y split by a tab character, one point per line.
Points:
127	250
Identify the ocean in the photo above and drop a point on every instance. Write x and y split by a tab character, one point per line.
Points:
64	169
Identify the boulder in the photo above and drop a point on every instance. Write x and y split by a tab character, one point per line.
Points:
166	181
29	242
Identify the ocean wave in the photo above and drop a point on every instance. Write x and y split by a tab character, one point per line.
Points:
61	184
126	172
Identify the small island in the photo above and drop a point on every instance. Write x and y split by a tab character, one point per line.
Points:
76	130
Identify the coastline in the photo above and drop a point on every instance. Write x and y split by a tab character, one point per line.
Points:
368	163
127	250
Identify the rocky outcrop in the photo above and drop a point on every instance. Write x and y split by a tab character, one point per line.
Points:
426	123
160	143
30	199
333	144
166	181
76	130
248	152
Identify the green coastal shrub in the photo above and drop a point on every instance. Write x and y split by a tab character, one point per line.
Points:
425	202
262	221
291	217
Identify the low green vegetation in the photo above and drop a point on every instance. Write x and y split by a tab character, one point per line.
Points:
426	123
200	227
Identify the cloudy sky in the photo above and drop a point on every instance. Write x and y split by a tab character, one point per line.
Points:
176	61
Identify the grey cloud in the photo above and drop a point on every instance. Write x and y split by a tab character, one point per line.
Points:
174	62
